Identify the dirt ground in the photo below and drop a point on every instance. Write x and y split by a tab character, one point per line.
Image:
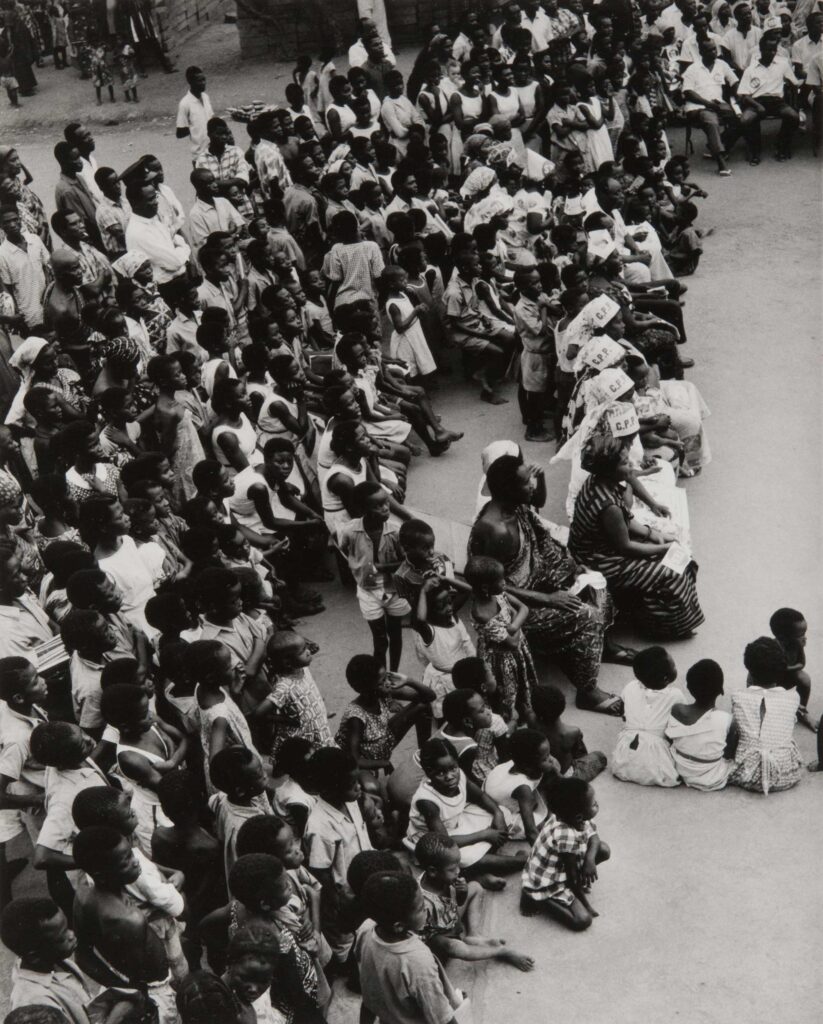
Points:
710	906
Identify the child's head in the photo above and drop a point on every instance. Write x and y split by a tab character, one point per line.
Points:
466	711
169	613
438	759
60	745
548	703
181	797
268	834
366	675
126	670
440	603
394	901
416	540
334	775
687	213
439	856
126	708
209	664
293	759
573	801
104	805
654	668
35	929
531	753
766	662
203	998
220	598
260	883
87	632
21	685
704	681
372	501
237	772
287	652
107	856
484	575
367	863
789	624
473	673
251	956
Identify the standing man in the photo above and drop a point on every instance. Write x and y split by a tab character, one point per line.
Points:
71	193
113	212
24	266
375	11
210	212
81	138
225	160
194	112
146	232
303	213
271	166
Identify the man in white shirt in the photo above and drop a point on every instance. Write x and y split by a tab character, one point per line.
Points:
24	263
194	112
705	105
741	41
358	52
761	94
807	46
210	212
145	231
535	19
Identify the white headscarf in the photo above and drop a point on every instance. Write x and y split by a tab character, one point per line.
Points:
490	454
23	361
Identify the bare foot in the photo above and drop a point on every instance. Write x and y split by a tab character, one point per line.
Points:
492	883
518	960
803	718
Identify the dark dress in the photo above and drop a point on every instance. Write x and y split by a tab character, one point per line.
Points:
664	603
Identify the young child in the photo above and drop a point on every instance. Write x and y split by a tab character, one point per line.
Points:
453	907
420	561
535	328
766	757
519	785
335	834
238	774
685	240
147	750
101	72
128	68
566	741
440	639
370	544
292	800
562	865
468	724
449	803
408	341
642	753
36	931
498	619
789	629
88	637
700	733
251	955
369	731
401	978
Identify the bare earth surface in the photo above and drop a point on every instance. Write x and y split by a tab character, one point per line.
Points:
711	904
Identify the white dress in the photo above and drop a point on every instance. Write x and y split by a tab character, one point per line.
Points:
449	644
642	754
131	569
334	511
246	439
697	749
599	145
500	784
459	819
410	345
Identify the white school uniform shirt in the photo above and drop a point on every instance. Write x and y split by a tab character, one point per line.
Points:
707	82
804	50
760	80
194	112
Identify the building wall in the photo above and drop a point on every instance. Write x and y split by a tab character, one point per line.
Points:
179	19
283	29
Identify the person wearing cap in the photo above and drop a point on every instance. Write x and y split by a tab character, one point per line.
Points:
742	40
24	265
762	94
225	160
704	82
112	212
71	193
194	112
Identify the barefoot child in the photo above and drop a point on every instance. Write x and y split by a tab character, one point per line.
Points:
642	753
468	724
408	341
498	618
238	774
562	864
440	639
420	561
789	628
566	740
449	803
453	907
700	732
519	785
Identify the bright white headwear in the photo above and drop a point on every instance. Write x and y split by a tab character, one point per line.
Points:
611	383
601	310
496	450
600	244
622	419
478	181
600	352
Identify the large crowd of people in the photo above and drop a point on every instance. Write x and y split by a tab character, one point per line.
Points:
213	401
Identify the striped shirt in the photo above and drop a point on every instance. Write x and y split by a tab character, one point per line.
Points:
230	164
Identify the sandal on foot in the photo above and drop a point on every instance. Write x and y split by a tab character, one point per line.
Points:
612	705
617	654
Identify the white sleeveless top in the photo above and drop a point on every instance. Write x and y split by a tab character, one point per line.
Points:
246	437
346	115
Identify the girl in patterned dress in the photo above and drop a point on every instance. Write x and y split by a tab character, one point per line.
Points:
497	619
295	700
128	69
101	72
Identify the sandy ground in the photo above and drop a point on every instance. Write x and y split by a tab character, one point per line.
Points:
710	906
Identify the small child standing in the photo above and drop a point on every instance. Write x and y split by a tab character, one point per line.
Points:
562	864
566	741
789	628
238	774
519	785
128	68
700	732
298	707
453	907
765	713
642	753
498	619
420	560
535	329
369	731
101	72
408	341
371	546
440	639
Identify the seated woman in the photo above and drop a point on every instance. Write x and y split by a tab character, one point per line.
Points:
606	536
567	627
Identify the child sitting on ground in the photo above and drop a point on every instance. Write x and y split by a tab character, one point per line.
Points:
449	803
700	733
519	785
292	801
562	864
440	639
238	774
685	241
401	978
642	753
453	907
566	740
369	729
789	629
766	757
498	619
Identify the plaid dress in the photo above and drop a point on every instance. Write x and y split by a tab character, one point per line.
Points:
544	876
767	757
